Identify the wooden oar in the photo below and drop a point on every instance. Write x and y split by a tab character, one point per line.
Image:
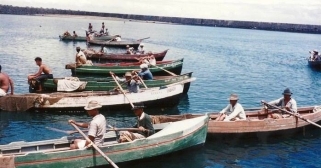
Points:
95	146
141	80
171	73
74	131
294	114
121	89
143	39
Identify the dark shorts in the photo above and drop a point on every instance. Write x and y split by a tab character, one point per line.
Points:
44	77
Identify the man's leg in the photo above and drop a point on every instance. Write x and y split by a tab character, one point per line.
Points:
221	117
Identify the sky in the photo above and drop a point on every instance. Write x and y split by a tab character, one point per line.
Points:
283	11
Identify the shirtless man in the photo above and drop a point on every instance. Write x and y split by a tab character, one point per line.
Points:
5	81
80	57
43	73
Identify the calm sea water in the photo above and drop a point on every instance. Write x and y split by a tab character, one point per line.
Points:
257	65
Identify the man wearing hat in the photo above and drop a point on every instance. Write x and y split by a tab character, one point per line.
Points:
80	57
144	124
145	73
132	83
96	128
285	102
233	111
141	50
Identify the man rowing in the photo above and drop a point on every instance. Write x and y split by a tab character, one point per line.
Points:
144	124
233	111
145	73
96	127
129	50
132	83
286	102
5	83
43	74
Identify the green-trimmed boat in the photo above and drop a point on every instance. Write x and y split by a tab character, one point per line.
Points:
85	71
107	84
172	137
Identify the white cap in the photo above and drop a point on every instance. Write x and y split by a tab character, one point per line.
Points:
142	66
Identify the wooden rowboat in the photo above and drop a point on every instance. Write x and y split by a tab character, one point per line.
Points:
83	38
256	124
84	71
165	96
107	84
121	44
121	57
56	153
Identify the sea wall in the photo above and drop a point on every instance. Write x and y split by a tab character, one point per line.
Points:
286	27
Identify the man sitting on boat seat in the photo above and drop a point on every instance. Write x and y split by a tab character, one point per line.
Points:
129	50
67	33
132	83
5	82
314	55
144	123
96	127
43	74
106	32
285	102
145	73
141	50
235	110
80	57
74	34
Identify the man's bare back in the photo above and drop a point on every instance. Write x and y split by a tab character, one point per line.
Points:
5	82
45	69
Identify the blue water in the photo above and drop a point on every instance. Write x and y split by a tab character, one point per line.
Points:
257	65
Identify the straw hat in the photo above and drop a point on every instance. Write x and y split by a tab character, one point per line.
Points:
287	91
93	105
128	74
138	106
233	97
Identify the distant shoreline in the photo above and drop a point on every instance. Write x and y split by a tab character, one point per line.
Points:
98	17
270	26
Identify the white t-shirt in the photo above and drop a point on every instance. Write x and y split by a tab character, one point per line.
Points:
236	112
97	129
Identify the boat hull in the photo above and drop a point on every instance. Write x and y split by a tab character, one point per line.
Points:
171	139
165	96
89	71
118	44
123	57
315	64
104	84
83	38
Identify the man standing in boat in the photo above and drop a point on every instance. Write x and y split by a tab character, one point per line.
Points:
5	82
43	74
144	124
90	28
235	110
132	83
80	57
102	28
286	102
96	128
145	73
141	50
74	34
